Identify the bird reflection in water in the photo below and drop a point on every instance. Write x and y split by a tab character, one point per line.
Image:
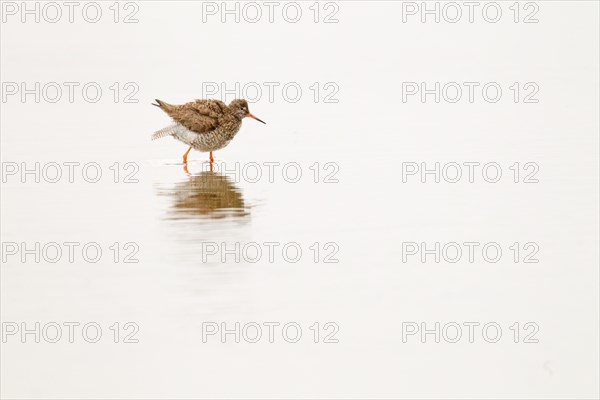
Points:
206	194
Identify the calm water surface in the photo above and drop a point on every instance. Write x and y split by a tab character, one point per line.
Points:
303	220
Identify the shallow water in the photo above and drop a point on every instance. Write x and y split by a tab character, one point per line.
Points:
310	220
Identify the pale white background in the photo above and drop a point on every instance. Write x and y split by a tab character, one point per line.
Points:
369	213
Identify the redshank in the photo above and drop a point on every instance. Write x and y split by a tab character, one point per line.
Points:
205	125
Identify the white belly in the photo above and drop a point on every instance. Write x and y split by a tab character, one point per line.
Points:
209	141
183	134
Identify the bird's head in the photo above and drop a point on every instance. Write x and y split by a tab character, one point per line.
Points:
239	107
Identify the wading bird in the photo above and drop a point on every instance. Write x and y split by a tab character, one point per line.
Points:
205	125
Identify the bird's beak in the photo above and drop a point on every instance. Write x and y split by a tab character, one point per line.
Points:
252	116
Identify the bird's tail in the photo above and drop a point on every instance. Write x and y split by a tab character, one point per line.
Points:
162	105
168	131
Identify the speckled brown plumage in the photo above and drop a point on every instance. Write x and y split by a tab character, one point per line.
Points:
205	125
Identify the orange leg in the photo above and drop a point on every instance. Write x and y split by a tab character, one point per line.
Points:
211	157
185	155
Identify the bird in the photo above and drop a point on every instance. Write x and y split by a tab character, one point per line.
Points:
204	124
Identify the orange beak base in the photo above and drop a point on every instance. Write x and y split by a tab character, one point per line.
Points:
252	116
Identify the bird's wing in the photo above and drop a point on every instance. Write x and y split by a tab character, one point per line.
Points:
200	116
